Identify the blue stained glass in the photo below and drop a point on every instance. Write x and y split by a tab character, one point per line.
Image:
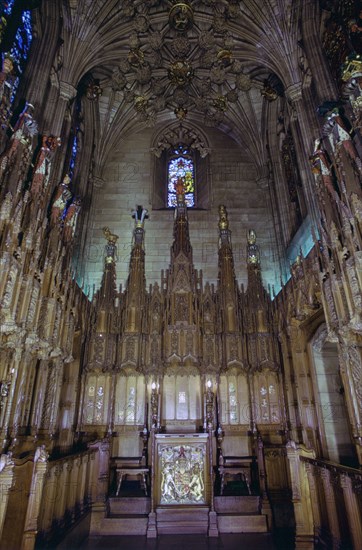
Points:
23	38
21	47
8	6
74	155
181	167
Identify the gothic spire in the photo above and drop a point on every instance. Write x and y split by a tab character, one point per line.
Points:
227	282
181	243
136	283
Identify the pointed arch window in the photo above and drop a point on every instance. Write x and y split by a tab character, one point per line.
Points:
180	167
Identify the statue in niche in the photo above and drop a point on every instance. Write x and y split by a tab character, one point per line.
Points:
6	87
43	163
70	219
24	131
339	136
61	199
321	166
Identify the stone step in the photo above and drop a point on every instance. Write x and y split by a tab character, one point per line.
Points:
248	523
136	525
187	520
130	505
237	504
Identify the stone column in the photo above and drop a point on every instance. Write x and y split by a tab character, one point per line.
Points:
331	508
304	533
302	119
6	481
351	374
352	502
313	490
31	525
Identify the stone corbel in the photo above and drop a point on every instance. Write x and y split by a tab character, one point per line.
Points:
67	91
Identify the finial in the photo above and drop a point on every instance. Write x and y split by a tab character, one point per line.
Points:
111	245
111	238
253	249
139	215
223	217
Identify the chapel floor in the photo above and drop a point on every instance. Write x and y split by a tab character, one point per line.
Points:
188	542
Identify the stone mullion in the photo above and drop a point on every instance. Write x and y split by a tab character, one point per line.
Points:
332	513
353	510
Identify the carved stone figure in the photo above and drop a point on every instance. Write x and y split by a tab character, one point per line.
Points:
339	136
24	131
61	199
321	166
70	219
43	163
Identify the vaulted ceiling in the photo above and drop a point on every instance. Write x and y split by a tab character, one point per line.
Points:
213	62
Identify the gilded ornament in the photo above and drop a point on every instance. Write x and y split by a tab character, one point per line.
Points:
223	218
352	67
180	113
180	73
181	17
224	57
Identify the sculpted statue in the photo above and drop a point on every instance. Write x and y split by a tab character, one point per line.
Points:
321	166
43	163
339	136
24	131
111	237
70	219
62	197
6	87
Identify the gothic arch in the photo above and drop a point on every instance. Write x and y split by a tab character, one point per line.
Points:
171	136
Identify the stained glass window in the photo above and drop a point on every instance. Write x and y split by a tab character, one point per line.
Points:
18	38
181	169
